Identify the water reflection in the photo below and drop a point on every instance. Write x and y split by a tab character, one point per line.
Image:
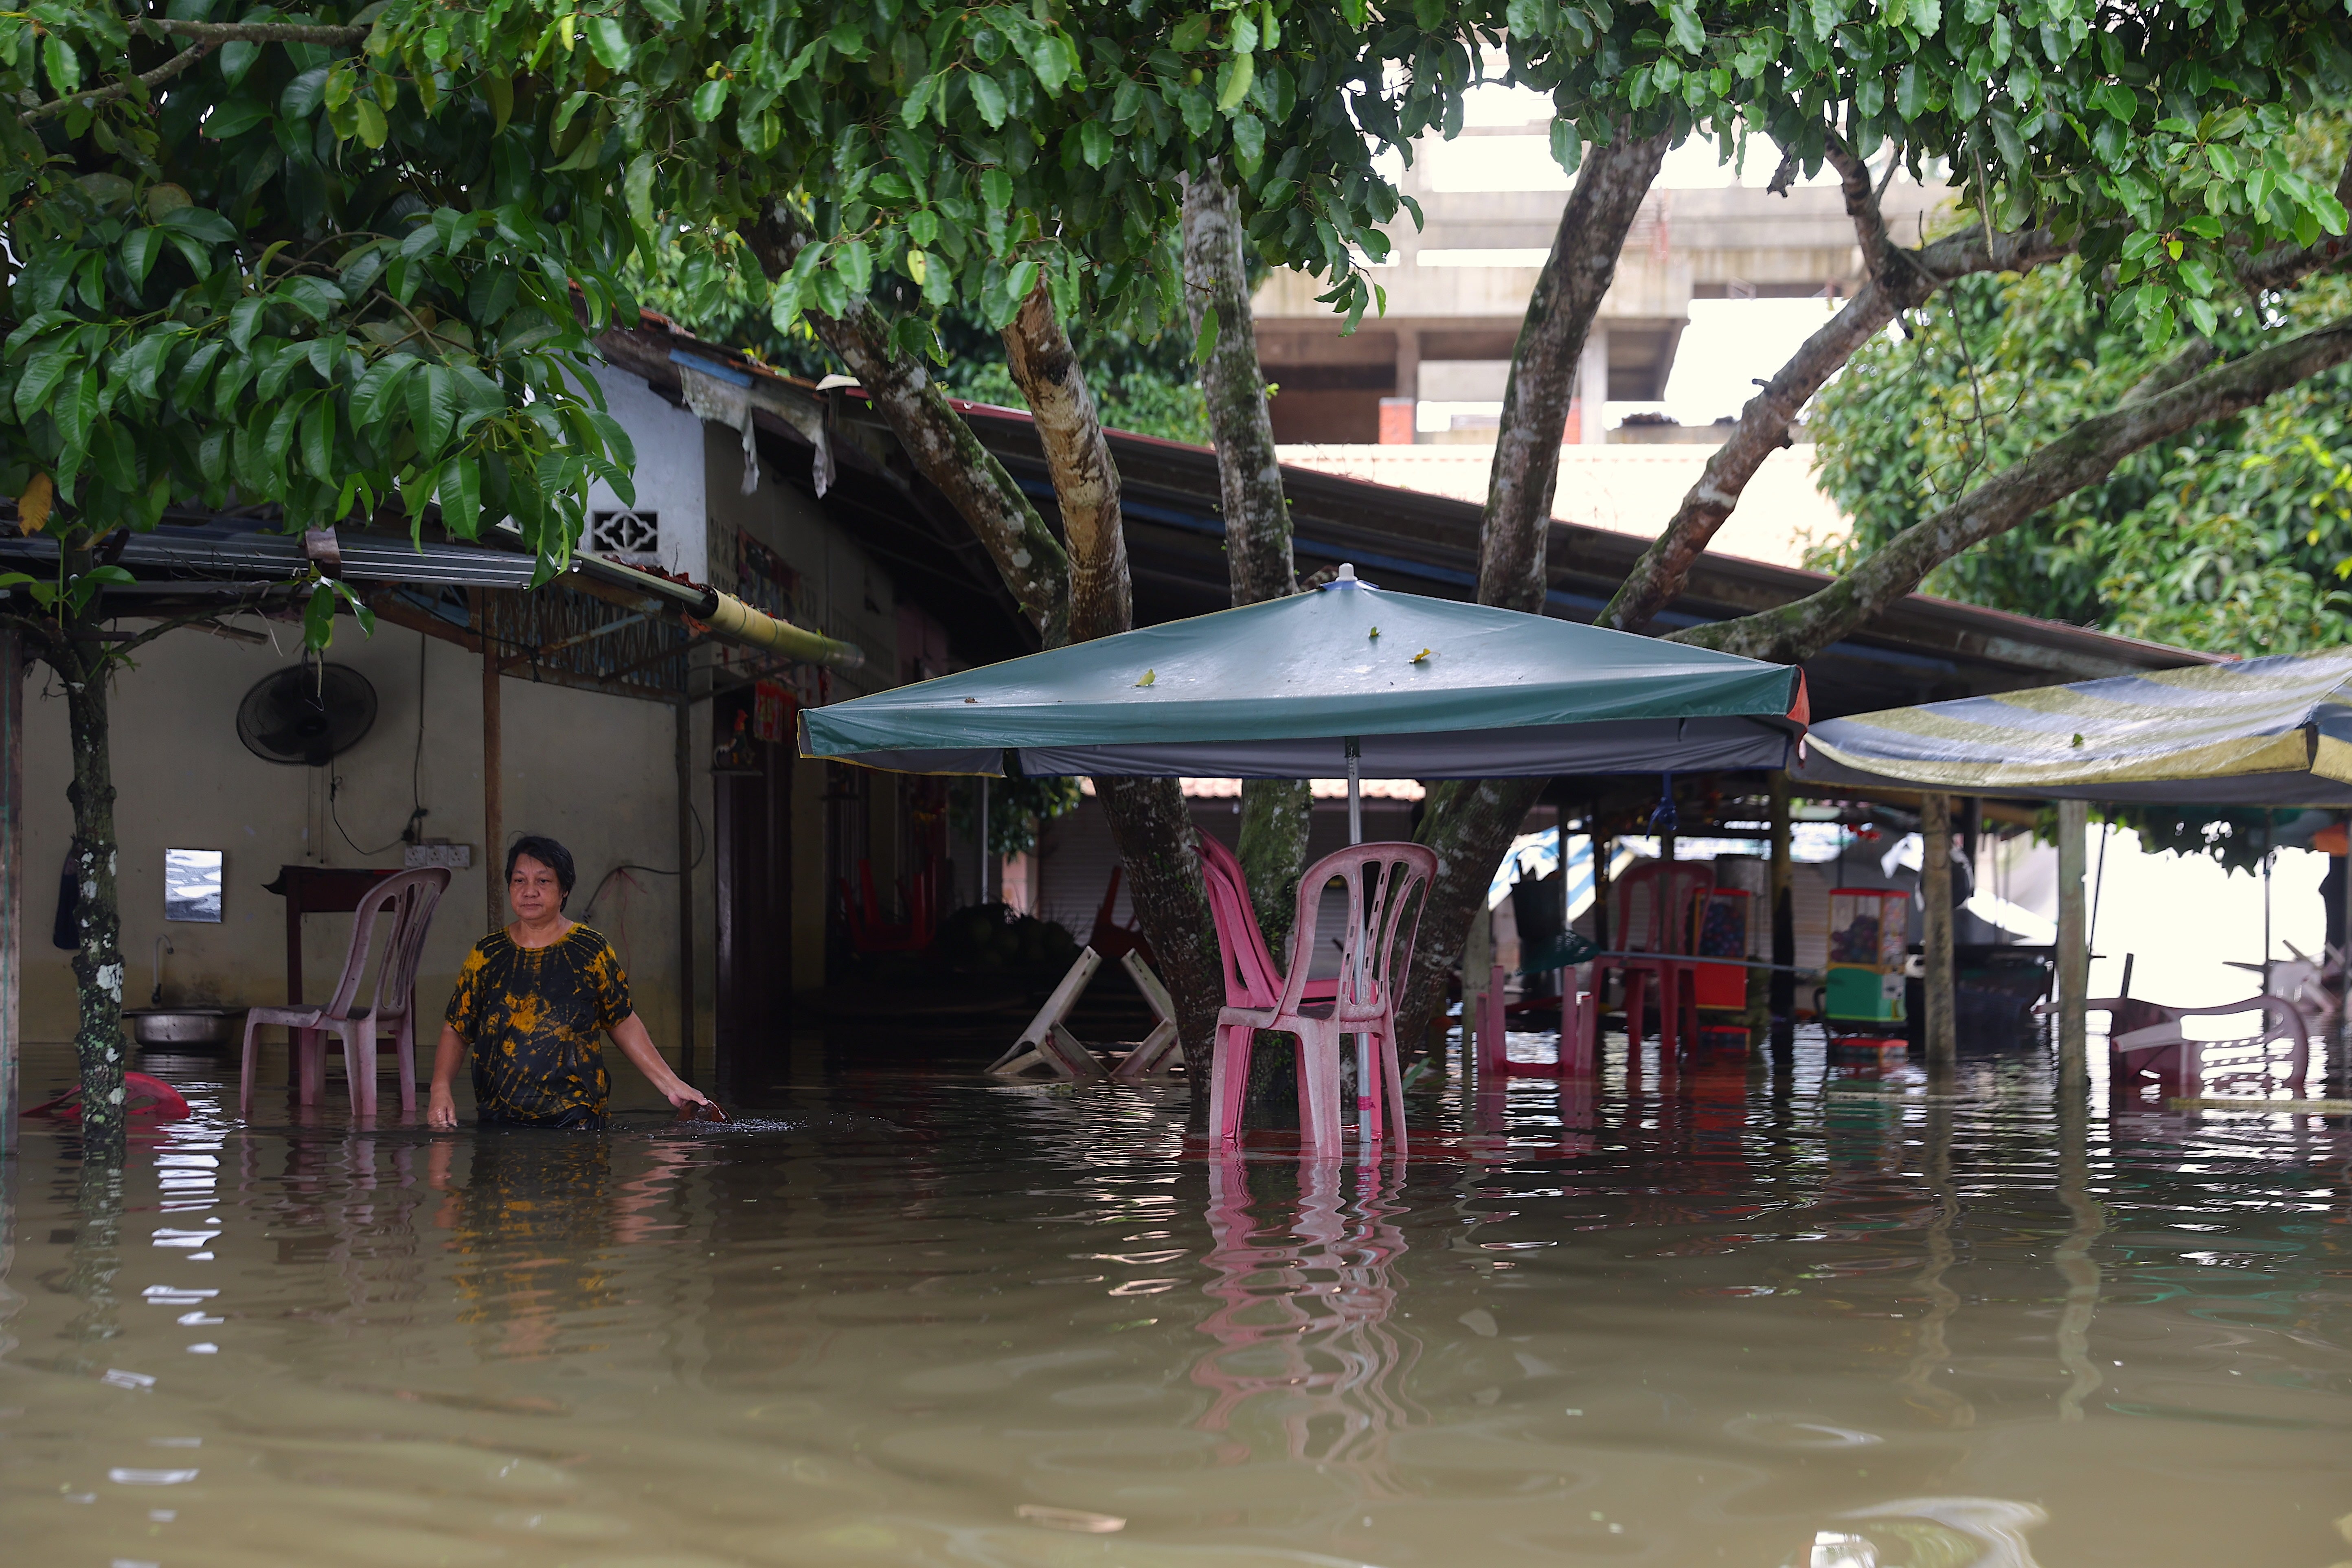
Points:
1743	1313
1305	1298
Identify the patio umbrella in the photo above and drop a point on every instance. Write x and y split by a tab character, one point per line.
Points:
2260	732
1347	679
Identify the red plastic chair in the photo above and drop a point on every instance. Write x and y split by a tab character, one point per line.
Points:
1661	940
869	932
1387	885
411	897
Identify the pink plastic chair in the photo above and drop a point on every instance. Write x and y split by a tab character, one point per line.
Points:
1663	939
2148	1047
411	897
1387	885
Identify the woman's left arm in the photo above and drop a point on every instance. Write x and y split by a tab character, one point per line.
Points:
636	1044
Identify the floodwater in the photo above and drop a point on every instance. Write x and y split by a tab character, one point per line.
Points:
1748	1316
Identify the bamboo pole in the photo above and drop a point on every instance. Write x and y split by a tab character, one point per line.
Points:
494	832
1936	895
2073	948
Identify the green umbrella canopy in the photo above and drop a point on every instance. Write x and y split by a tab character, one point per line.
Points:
1426	689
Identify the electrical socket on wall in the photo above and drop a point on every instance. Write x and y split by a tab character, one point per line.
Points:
437	852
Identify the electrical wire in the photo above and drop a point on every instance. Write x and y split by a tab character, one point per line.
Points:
702	848
408	834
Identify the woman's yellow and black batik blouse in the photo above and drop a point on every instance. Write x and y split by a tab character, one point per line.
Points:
531	1016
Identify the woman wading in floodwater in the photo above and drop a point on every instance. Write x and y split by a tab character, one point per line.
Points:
529	1003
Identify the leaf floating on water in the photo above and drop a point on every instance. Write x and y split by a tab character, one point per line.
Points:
971	699
1149	677
2077	740
1070	1518
1421	657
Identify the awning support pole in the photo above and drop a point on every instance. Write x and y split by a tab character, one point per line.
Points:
1784	922
683	747
2073	951
1355	788
1936	894
494	830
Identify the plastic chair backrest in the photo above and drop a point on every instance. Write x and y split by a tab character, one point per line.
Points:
1667	886
411	895
1251	979
1387	885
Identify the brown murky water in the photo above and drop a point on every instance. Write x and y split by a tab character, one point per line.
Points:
1748	1318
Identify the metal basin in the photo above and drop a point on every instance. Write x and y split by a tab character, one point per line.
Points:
183	1027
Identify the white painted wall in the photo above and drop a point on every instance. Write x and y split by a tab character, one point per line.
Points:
670	475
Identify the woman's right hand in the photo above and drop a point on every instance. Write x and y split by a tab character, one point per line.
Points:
441	1108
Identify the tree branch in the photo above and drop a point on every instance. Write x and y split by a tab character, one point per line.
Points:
1887	264
146	81
2085	454
1085	480
255	31
1568	294
1028	557
1249	476
1763	427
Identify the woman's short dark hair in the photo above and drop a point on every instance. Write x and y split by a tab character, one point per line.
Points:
547	853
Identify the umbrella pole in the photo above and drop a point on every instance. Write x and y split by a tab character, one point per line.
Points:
1365	1088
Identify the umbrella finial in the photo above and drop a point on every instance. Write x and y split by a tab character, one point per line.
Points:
1347	572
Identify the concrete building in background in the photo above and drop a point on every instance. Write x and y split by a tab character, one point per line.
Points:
1458	288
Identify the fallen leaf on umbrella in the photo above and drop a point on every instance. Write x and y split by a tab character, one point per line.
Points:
1421	657
1149	675
1376	634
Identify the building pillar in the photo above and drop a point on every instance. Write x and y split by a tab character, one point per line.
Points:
12	879
1591	402
1935	896
2074	950
494	833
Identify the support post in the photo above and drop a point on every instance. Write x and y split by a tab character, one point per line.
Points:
683	750
1935	896
2074	949
1784	915
494	831
11	878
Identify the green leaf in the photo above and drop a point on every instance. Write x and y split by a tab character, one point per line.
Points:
461	496
139	251
709	100
638	188
433	403
987	97
855	264
1205	341
372	126
609	43
41	378
1233	83
319	440
996	190
1689	35
64	66
235	118
1095	143
1193	31
918	101
302	95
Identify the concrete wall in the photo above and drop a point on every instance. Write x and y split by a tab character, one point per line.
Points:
590	770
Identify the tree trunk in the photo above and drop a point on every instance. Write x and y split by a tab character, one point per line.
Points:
1085	480
1275	813
1469	823
82	669
1568	294
1149	818
1028	557
1794	632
